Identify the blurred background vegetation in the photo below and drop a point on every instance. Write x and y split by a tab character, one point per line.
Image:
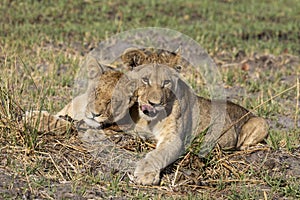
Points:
263	26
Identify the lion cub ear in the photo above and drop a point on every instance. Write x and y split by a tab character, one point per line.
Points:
94	67
133	57
178	50
173	58
178	68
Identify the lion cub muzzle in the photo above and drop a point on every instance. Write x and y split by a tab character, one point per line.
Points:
153	104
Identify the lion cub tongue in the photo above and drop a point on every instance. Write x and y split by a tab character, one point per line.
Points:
148	108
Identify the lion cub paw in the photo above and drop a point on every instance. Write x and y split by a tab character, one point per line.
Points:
146	174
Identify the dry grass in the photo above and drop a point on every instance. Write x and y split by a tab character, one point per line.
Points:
49	165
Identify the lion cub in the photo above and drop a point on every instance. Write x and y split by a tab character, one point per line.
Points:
170	111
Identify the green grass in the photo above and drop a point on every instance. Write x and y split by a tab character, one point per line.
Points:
43	42
252	26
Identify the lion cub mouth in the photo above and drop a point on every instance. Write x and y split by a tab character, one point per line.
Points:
149	110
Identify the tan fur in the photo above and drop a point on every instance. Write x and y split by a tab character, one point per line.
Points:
174	115
133	57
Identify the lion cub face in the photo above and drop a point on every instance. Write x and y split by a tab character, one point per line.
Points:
156	87
109	96
98	108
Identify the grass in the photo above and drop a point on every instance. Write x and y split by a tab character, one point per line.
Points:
43	43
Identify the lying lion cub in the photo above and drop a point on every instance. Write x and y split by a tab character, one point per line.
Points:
171	112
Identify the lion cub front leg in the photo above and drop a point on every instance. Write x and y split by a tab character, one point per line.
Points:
147	171
168	149
253	132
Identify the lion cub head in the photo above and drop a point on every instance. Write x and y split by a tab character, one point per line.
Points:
134	57
108	95
156	86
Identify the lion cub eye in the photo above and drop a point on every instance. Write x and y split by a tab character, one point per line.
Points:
145	80
166	82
